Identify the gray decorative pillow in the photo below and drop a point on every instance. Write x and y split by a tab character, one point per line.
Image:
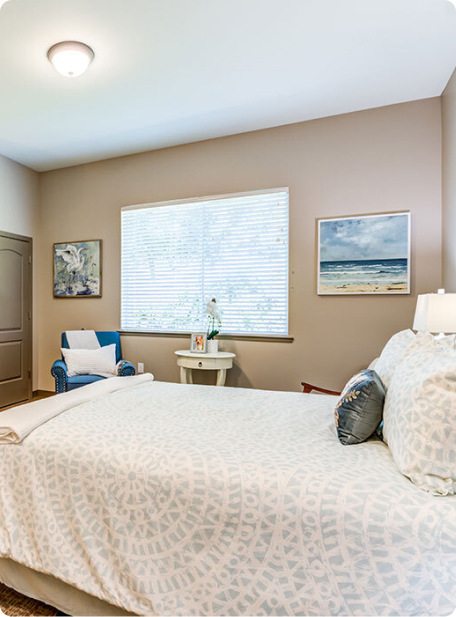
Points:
360	408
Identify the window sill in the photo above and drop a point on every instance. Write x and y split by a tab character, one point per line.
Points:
239	337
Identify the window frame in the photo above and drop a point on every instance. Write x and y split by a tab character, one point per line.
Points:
186	333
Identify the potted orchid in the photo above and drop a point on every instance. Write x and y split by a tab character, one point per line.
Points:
214	325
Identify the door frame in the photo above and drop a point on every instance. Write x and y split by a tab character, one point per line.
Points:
27	239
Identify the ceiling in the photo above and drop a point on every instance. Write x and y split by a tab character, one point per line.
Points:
168	72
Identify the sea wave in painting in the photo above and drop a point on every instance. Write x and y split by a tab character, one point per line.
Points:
374	275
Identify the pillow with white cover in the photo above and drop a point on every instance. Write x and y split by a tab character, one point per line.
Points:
449	340
419	417
100	361
392	355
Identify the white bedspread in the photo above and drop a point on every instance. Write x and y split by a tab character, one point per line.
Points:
16	423
191	500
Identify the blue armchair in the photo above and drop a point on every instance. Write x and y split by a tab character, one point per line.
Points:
59	371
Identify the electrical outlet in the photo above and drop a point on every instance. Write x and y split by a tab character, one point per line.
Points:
140	367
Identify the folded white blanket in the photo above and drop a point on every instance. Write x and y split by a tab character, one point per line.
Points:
18	422
82	339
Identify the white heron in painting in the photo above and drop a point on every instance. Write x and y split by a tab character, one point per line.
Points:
74	259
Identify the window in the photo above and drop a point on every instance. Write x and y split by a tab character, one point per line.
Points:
176	256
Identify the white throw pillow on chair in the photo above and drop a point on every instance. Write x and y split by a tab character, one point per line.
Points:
100	361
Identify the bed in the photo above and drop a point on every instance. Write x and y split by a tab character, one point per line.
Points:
169	499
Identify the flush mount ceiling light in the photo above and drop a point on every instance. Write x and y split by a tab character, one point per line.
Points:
70	58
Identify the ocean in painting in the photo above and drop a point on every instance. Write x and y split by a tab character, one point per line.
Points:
364	276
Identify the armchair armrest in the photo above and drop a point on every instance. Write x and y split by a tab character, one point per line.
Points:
60	374
309	387
126	368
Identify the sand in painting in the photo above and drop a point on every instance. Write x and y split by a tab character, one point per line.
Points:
364	276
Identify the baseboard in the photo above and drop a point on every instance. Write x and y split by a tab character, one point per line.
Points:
42	393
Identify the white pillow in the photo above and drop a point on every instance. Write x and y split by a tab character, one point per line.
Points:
373	364
100	361
392	355
449	340
419	417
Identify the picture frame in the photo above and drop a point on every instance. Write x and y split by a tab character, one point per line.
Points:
198	343
367	254
78	269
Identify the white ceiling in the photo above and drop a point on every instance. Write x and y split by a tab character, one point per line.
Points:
169	72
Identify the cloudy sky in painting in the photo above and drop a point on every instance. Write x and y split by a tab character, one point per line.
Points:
380	237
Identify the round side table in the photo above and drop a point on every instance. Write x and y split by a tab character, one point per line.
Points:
220	362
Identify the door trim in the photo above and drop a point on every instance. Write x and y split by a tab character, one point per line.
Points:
7	234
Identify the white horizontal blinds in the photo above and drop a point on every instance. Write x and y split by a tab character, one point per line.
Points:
176	257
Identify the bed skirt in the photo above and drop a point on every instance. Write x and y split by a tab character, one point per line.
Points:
50	590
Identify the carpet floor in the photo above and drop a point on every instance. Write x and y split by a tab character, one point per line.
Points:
14	604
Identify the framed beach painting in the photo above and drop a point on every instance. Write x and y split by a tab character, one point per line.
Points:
367	254
77	269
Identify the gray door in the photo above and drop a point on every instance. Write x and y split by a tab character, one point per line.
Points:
15	319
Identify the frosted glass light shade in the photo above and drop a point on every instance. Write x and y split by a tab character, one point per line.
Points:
436	313
70	58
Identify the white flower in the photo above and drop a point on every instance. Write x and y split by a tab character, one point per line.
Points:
212	309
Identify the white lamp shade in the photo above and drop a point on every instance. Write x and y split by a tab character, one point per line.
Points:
71	58
436	313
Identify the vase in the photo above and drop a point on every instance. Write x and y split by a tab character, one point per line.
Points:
212	346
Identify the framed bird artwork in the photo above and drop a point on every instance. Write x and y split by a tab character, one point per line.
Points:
77	269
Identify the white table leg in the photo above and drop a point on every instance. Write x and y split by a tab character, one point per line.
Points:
221	377
186	375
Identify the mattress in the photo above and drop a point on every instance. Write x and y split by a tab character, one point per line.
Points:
169	499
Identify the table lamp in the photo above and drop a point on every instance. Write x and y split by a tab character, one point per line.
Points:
436	313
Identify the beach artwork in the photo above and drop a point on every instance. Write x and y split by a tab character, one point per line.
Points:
364	254
77	269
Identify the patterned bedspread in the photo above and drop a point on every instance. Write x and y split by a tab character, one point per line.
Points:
190	500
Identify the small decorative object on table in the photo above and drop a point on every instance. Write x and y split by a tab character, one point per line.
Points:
198	343
214	326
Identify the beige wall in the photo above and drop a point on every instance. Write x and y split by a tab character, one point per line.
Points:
380	160
19	214
449	185
19	195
